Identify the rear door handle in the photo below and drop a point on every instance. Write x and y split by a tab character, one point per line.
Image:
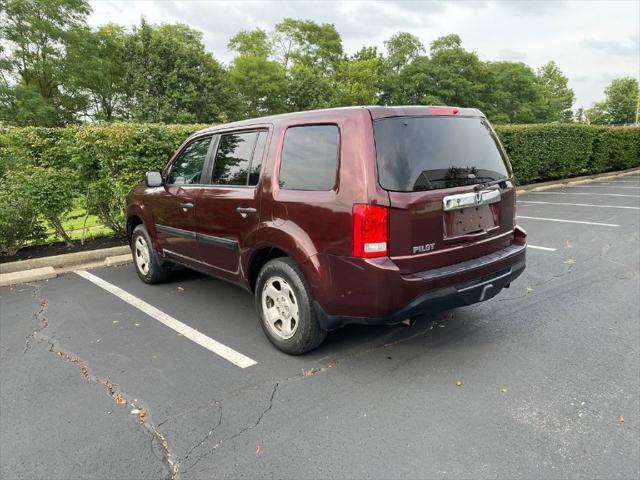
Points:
186	205
244	211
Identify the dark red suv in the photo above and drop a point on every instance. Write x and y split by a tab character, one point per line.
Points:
368	215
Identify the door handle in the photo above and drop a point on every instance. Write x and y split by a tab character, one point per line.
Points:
186	205
244	211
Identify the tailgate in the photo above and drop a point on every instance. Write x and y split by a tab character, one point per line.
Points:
427	230
448	180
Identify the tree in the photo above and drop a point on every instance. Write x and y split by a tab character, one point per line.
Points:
596	115
458	75
620	105
261	85
310	54
414	85
39	33
621	100
171	78
251	43
402	49
23	105
557	97
96	69
512	95
358	78
309	43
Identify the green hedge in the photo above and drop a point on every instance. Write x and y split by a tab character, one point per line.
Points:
100	163
548	152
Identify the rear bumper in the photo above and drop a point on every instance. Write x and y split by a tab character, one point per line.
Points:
465	283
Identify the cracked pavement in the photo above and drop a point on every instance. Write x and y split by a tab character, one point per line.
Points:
533	383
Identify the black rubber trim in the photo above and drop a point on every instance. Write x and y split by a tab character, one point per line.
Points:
217	241
473	264
178	232
200	237
466	293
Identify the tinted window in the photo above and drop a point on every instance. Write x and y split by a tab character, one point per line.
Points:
256	163
310	158
187	168
231	165
428	153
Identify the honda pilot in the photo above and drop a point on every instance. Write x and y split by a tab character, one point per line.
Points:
366	215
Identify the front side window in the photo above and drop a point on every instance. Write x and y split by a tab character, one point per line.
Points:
310	158
187	169
233	159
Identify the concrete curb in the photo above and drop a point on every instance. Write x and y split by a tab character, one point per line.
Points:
567	182
24	276
65	260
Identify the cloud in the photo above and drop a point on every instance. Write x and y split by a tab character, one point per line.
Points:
614	47
512	55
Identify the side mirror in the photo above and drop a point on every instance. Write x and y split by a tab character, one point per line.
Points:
153	179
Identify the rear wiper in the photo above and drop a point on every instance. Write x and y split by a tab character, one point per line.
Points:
482	185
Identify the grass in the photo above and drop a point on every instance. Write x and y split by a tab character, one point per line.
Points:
73	223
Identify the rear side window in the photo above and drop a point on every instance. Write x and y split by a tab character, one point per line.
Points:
310	158
429	153
258	153
187	169
239	158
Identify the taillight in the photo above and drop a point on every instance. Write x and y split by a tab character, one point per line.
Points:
444	111
370	231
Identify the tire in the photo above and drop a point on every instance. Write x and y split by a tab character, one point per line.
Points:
282	294
148	267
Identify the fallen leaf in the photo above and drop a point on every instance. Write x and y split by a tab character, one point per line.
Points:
621	419
115	321
258	450
529	289
459	383
440	325
98	340
503	390
180	289
142	413
569	261
568	244
309	373
136	324
135	411
120	400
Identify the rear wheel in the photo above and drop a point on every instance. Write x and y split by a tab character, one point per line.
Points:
145	258
284	304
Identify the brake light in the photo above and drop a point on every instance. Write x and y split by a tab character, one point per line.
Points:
370	232
444	111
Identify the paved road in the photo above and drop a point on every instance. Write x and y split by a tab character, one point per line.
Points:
541	381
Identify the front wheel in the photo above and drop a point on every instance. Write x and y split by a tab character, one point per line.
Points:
284	304
145	258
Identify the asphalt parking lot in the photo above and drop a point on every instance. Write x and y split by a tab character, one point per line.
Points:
541	381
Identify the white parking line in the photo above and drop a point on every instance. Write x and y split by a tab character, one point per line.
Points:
191	333
584	193
568	221
580	205
598	186
546	249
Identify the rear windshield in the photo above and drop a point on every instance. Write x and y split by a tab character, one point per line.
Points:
428	153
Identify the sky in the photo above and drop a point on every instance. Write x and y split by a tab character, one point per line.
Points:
591	41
